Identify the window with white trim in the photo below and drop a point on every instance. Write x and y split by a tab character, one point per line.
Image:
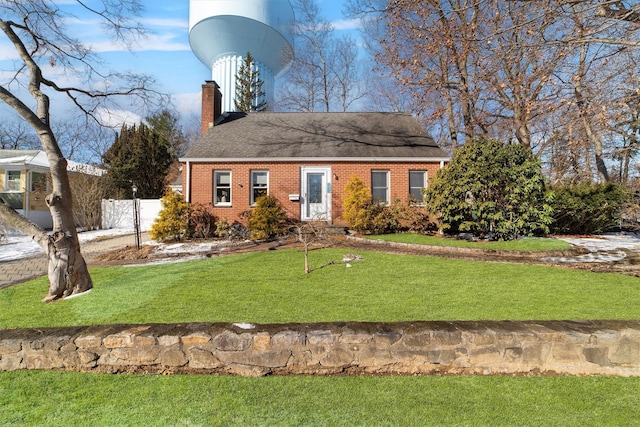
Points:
222	188
380	186
259	185
417	183
12	181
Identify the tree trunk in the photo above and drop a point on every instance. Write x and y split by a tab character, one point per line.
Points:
68	273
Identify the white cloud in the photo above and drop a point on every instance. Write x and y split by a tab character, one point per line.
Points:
347	24
187	103
116	118
155	42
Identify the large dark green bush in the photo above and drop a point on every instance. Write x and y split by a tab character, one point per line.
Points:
492	190
588	208
267	219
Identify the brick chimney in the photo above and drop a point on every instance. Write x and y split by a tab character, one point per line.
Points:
211	104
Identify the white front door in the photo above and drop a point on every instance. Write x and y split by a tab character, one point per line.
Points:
315	197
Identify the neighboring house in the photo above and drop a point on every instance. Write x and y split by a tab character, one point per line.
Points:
25	181
305	159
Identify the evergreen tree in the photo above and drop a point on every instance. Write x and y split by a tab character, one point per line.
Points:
249	91
141	155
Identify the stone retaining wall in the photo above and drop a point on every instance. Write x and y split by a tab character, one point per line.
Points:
554	347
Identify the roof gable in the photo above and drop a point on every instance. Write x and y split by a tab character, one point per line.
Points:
315	135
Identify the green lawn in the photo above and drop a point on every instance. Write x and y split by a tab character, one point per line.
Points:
72	399
271	287
527	244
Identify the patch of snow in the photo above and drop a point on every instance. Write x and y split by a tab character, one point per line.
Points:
16	245
244	325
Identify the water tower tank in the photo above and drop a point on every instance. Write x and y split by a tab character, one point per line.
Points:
221	32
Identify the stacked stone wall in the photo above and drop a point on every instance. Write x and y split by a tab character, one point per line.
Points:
483	348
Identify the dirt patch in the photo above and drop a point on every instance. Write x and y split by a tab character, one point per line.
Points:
125	255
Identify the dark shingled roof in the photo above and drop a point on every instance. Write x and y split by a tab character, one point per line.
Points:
316	135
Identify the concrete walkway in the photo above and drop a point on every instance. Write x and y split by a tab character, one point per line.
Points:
18	271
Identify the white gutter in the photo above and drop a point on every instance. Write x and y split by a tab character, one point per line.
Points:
440	160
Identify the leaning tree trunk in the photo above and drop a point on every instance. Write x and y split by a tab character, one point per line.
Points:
68	273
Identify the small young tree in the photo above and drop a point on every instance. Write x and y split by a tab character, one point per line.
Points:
310	233
249	93
491	189
171	223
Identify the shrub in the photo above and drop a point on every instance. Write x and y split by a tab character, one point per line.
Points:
356	200
202	221
366	216
267	219
588	208
492	190
171	223
222	228
415	218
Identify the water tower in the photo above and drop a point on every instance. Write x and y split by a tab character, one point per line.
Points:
221	32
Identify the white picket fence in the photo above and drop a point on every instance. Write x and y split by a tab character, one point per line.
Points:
120	214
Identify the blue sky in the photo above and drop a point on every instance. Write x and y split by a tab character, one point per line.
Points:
165	53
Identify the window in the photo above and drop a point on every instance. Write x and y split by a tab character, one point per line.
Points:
259	185
222	188
380	186
417	182
38	182
13	181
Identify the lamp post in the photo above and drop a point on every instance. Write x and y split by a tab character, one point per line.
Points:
136	215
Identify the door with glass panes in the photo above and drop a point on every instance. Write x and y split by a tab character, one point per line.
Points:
315	197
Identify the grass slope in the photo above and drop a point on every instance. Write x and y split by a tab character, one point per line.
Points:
271	287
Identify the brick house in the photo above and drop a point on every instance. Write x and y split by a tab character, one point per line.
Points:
304	159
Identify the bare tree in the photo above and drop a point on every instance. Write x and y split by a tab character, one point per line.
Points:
325	73
312	233
544	73
17	135
35	29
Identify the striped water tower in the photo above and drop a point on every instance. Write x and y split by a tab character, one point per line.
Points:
221	32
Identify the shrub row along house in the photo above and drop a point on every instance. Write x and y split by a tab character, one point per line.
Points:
304	159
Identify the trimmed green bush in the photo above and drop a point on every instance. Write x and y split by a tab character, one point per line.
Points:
588	208
267	219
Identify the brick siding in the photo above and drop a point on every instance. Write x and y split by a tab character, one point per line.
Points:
284	179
